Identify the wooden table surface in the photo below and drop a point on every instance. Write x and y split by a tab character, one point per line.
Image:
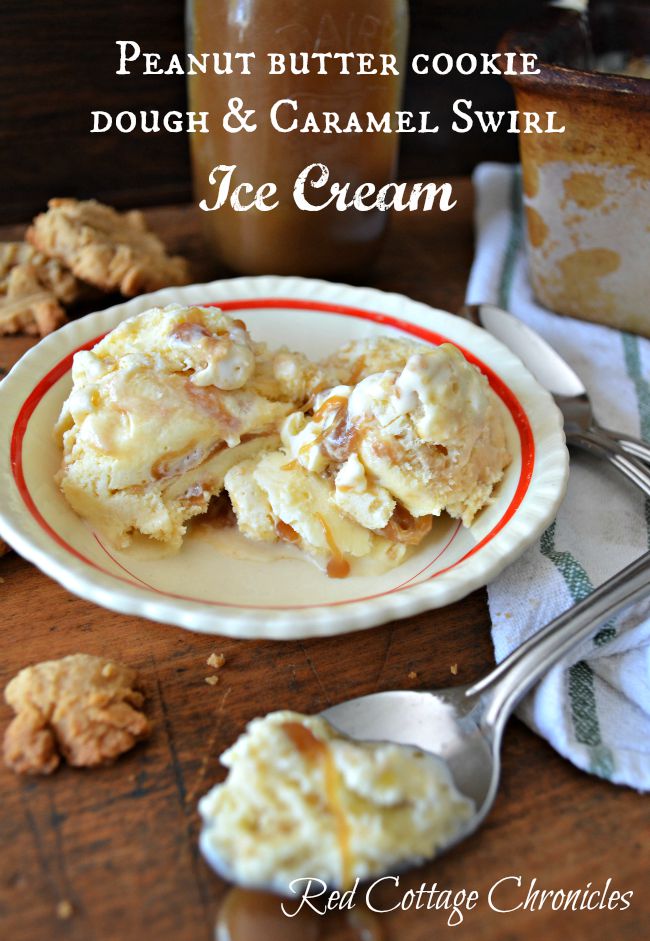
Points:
119	844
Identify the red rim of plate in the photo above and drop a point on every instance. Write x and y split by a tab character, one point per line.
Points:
500	388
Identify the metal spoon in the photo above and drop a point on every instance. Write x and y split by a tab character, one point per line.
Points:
623	451
464	724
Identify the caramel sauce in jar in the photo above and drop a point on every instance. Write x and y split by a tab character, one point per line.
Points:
287	239
248	915
252	915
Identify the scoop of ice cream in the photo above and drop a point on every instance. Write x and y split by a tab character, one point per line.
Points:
159	411
204	343
300	799
445	398
429	437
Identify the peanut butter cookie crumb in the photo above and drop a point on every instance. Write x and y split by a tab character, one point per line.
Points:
216	660
64	909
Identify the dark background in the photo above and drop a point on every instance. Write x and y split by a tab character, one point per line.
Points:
58	60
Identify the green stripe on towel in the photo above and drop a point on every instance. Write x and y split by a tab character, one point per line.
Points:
576	578
581	691
582	696
632	355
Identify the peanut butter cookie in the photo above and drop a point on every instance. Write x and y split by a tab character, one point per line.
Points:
51	273
26	306
31	288
83	708
109	249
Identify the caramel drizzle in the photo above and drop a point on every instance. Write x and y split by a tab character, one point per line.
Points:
286	532
333	403
175	463
337	404
357	369
405	528
212	402
338	566
338	438
164	466
316	750
342	440
189	331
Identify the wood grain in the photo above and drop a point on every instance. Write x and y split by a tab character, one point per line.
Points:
120	843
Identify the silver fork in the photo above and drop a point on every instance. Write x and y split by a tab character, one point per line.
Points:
626	453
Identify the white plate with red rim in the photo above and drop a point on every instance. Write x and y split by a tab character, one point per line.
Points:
204	590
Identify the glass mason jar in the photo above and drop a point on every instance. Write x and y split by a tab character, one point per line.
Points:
287	239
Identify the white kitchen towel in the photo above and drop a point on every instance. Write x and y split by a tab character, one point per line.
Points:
593	707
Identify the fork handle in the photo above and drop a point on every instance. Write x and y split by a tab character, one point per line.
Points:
635	447
598	442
